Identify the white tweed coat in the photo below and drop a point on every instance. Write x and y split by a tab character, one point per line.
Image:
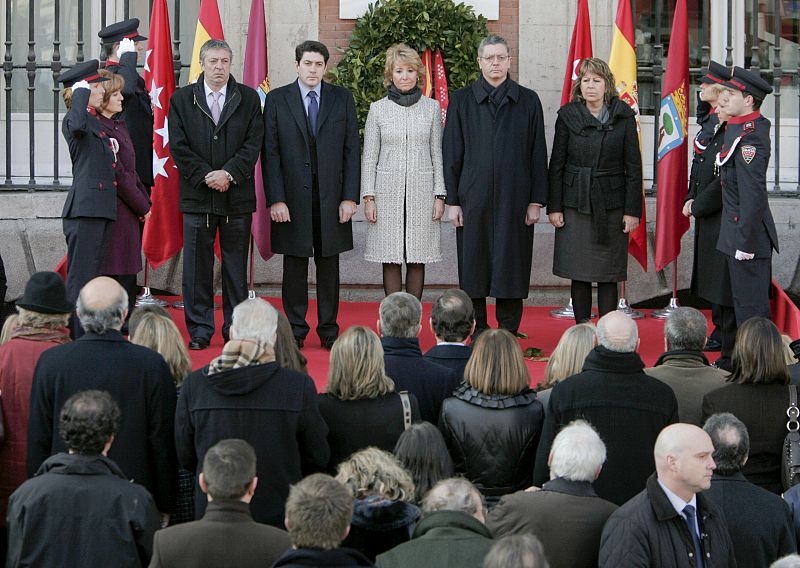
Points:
401	166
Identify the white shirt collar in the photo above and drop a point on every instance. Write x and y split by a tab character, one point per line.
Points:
222	92
676	501
451	343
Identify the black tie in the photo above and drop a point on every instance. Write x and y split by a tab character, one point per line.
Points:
690	518
313	111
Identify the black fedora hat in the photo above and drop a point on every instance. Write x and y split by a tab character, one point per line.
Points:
45	293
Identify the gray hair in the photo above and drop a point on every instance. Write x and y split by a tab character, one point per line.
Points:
577	453
492	40
790	561
255	319
214	44
104	319
518	550
628	345
400	315
454	494
731	442
686	328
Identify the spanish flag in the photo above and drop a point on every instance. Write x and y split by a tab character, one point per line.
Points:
209	26
427	79
623	64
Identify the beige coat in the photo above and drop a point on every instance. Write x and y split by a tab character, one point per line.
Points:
401	166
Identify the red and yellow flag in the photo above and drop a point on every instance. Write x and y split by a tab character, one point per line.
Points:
440	80
209	26
623	64
580	48
427	80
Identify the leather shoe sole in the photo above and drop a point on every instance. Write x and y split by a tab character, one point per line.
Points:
300	342
198	344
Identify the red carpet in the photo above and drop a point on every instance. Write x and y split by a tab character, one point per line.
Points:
543	331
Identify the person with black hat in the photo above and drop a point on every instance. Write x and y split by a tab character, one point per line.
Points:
43	316
91	203
122	44
747	233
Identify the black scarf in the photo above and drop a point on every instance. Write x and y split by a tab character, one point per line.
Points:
406	98
496	94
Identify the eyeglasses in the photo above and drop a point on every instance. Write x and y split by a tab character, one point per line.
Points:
498	58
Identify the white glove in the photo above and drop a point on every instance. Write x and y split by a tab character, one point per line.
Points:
80	85
126	46
744	255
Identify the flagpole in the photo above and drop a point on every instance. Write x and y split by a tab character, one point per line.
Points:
673	301
147	298
623	306
567	312
251	294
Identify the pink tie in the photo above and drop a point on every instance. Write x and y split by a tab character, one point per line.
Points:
215	110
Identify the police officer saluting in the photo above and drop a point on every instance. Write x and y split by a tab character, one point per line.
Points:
122	44
747	232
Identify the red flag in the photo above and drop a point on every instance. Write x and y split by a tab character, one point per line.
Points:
256	75
163	231
673	152
440	81
579	48
427	80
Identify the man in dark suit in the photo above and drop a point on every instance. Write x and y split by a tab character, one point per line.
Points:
452	322
311	164
747	233
137	378
759	522
215	132
122	43
399	325
227	534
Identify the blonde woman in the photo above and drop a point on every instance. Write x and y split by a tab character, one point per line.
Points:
402	180
383	515
494	410
567	358
361	407
159	333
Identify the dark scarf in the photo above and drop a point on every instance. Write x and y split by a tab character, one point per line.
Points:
406	98
496	94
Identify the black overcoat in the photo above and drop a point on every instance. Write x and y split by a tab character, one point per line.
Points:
286	163
495	164
710	278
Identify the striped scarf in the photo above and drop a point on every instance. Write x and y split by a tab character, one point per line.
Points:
241	353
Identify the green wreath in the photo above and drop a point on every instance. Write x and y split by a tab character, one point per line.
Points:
453	28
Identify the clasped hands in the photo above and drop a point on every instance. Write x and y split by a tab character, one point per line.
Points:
218	180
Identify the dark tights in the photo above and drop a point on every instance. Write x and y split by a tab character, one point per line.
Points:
582	299
393	278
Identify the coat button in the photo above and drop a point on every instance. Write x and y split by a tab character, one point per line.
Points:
307	164
115	184
215	137
114	166
305	187
100	185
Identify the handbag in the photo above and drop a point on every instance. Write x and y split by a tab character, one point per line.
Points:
790	457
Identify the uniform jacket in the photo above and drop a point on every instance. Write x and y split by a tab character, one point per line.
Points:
759	522
595	167
648	531
402	168
273	409
137	113
225	536
494	166
199	146
80	510
510	425
124	250
690	377
710	278
18	359
93	191
452	356
708	121
138	380
762	408
619	399
566	516
454	539
290	154
429	382
747	223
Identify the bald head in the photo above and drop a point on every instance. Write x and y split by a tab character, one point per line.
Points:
684	462
617	332
102	305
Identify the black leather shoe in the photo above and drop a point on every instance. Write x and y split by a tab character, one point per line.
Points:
327	343
198	344
712	345
300	342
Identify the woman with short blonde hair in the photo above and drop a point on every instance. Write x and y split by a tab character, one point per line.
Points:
361	406
159	333
401	54
570	353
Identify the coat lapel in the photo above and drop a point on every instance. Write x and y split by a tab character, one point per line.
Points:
295	103
328	101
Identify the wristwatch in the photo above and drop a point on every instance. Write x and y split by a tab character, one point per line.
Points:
229	176
442	197
367	198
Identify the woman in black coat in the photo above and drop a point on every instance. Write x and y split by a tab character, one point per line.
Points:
493	422
758	396
361	406
595	189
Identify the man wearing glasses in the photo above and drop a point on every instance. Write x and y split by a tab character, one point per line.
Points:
495	170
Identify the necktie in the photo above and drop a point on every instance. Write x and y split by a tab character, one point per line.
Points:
215	110
313	111
691	522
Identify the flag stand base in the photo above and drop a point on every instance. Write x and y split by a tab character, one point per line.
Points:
147	299
666	312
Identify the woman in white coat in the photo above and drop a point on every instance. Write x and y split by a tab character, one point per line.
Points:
402	180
